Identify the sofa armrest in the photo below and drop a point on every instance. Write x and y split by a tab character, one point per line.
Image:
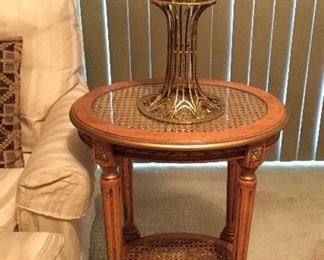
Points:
58	179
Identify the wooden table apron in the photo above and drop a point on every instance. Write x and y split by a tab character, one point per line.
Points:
115	146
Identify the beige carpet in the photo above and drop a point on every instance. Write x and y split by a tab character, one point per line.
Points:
288	220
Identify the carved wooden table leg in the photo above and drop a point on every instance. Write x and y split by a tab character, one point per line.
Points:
245	194
233	170
130	230
245	200
111	197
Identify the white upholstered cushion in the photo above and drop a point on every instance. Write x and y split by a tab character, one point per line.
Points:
52	55
58	178
30	245
8	189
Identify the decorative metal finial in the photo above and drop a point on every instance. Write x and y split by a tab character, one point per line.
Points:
181	99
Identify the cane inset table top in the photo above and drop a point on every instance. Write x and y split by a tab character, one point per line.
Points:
241	109
111	113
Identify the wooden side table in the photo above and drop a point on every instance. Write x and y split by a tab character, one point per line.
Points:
108	119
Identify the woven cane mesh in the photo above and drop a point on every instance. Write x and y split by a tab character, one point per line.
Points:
119	107
178	249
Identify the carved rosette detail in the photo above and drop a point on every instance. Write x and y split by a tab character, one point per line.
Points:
256	154
101	154
104	156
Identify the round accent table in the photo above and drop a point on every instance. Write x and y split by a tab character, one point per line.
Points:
107	118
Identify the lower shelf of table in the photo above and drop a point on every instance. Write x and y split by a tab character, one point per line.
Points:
179	246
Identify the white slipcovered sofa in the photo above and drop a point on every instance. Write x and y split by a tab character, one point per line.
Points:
46	208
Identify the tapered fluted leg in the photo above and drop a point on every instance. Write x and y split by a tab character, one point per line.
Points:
126	171
245	194
110	189
111	198
244	207
233	170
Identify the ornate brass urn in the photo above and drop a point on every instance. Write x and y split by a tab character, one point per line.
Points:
181	99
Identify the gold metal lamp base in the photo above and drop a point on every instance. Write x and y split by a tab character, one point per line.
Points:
172	110
181	99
